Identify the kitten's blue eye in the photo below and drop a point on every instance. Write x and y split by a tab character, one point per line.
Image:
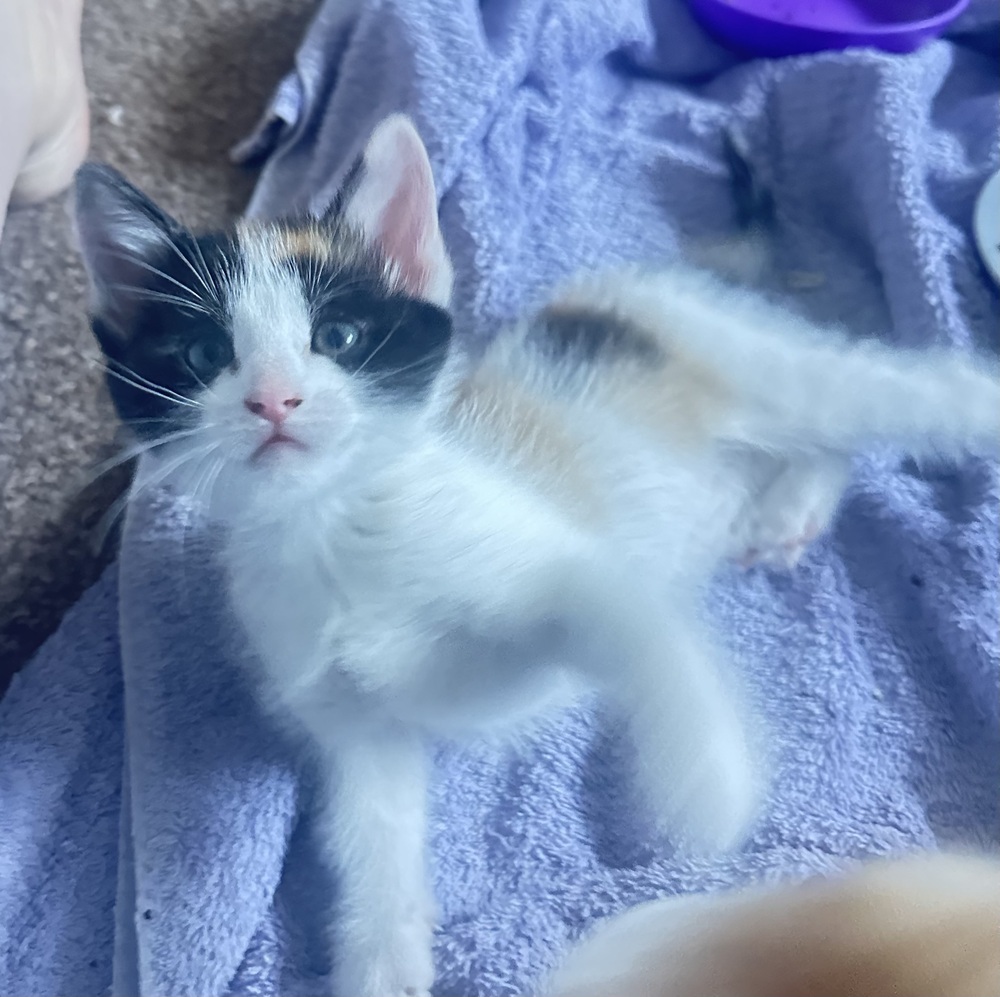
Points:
206	357
334	338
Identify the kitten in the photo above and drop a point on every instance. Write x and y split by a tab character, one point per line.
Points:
422	543
924	926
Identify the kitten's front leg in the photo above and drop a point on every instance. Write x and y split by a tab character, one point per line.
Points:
373	831
695	758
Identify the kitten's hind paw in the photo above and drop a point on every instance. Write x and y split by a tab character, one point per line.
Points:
779	548
794	509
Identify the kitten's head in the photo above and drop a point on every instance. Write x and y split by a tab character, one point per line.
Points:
275	355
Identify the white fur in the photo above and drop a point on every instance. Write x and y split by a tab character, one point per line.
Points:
401	580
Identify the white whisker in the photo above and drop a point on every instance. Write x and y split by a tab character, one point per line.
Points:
207	270
149	391
139	383
228	271
203	385
206	486
161	472
102	530
136	450
129	372
333	287
149	294
190	265
193	491
374	353
159	273
387	375
126	372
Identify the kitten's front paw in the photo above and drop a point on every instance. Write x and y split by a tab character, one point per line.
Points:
722	803
400	964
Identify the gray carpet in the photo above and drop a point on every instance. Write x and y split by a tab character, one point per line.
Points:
173	86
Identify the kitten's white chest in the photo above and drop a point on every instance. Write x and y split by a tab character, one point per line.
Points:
285	596
391	603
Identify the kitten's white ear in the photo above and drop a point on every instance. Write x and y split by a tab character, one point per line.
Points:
119	231
394	204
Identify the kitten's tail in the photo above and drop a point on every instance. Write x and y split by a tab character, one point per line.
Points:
926	926
802	389
773	380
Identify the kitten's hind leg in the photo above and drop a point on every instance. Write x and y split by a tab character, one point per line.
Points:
791	510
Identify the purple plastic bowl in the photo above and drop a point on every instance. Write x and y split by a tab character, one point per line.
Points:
794	27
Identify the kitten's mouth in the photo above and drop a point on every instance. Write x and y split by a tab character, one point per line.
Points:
276	441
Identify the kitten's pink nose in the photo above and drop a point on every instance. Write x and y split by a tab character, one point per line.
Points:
272	408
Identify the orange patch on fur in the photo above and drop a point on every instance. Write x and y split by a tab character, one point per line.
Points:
681	402
504	418
305	242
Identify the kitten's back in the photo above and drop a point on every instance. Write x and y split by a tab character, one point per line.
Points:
927	926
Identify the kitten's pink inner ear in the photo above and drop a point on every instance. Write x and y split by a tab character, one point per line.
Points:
395	205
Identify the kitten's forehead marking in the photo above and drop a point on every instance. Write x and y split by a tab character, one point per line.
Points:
306	242
337	247
268	303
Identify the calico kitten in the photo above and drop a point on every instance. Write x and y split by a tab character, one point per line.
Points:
923	926
421	543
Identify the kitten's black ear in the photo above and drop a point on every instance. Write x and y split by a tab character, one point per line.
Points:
119	229
392	202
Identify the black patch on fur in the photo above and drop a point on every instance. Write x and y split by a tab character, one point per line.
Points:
400	343
169	345
585	336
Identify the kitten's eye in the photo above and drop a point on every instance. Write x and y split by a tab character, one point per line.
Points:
334	338
206	357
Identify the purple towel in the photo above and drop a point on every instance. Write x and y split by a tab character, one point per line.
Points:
562	135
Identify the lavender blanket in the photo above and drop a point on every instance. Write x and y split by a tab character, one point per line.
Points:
154	829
